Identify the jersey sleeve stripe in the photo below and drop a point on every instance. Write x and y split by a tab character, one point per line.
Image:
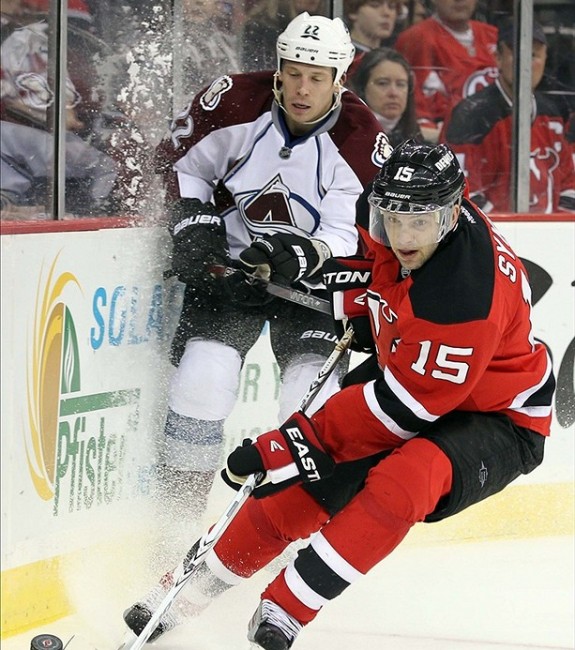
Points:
533	411
525	396
407	399
373	405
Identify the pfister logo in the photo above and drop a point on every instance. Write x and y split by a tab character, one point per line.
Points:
75	440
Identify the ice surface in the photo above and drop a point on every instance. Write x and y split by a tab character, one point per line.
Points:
497	595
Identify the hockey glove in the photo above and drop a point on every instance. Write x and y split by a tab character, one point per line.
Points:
199	242
246	290
346	280
288	455
285	258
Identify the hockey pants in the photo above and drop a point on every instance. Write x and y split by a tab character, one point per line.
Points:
400	490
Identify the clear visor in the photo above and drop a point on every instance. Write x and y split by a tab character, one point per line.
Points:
408	225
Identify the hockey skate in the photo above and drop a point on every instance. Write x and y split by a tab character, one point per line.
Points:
272	628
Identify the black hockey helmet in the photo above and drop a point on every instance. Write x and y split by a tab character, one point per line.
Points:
417	179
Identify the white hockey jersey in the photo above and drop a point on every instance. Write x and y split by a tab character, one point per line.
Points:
231	145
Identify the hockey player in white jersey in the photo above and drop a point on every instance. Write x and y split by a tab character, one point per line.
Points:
262	171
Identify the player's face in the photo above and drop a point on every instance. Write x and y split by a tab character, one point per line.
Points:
307	94
413	238
387	89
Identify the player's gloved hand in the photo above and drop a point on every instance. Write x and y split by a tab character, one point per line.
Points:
285	258
288	455
246	290
199	242
346	280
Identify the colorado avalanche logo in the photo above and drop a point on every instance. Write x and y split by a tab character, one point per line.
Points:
211	98
381	150
276	206
35	92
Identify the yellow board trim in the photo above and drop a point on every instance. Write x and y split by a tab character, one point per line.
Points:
518	512
32	595
35	594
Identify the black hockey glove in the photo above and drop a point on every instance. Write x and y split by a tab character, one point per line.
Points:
285	258
246	290
346	280
289	455
199	238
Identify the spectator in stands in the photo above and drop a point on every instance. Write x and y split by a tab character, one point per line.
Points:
558	19
371	23
78	11
209	51
480	133
452	57
264	22
384	80
414	11
26	144
104	150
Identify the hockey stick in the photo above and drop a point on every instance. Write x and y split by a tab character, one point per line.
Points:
186	569
198	552
279	290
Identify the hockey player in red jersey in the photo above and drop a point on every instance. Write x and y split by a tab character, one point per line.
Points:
452	57
452	404
262	172
480	134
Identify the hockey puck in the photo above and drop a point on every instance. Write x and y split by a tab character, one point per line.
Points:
46	642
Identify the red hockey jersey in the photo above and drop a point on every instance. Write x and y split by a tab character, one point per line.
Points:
445	71
479	132
454	335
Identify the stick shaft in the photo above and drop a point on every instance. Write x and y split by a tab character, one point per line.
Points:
187	568
287	293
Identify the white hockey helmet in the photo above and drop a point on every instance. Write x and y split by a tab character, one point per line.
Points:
317	40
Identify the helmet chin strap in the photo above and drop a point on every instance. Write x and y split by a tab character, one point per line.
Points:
336	101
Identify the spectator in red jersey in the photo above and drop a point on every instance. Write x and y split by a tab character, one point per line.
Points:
452	56
480	133
384	80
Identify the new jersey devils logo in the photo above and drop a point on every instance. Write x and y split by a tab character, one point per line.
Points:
478	80
542	164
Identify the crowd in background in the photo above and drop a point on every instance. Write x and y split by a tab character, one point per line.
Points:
134	64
